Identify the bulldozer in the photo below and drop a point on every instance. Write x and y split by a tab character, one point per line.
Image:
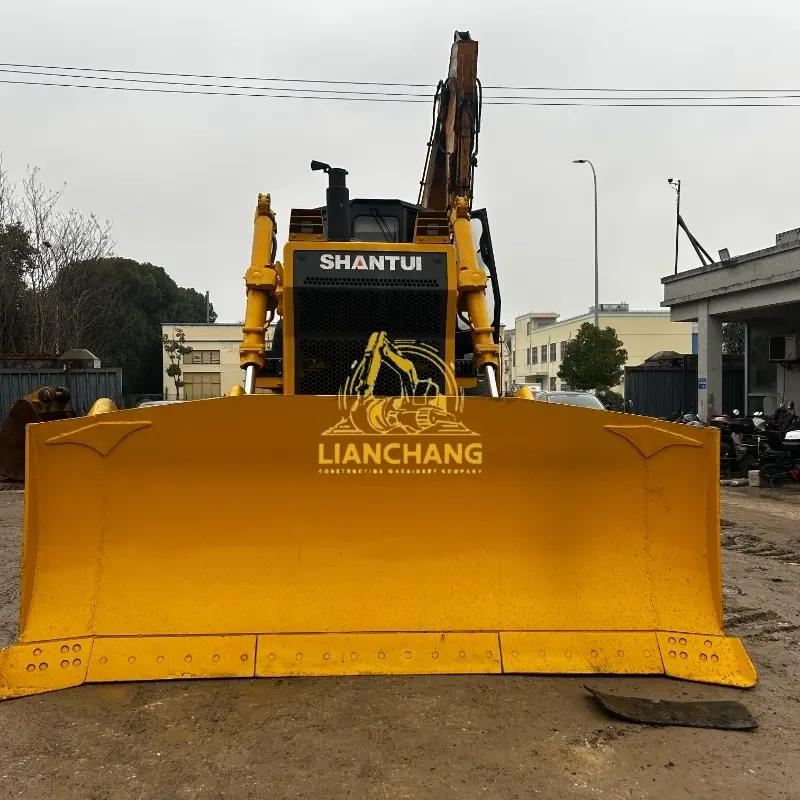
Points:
44	404
339	510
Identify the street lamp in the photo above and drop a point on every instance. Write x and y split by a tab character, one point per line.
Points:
596	273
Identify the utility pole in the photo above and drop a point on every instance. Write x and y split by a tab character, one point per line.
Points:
596	270
208	307
676	185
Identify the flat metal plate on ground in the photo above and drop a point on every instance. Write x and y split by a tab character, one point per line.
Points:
723	714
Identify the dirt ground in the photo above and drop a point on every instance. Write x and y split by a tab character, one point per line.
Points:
426	737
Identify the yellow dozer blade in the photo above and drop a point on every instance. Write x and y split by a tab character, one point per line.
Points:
263	535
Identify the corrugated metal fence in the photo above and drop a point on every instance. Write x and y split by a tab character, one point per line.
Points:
659	389
85	385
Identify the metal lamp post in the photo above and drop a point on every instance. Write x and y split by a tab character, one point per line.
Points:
596	271
676	185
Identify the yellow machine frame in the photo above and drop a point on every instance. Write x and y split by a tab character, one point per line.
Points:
267	283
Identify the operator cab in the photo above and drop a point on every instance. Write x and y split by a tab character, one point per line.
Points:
390	221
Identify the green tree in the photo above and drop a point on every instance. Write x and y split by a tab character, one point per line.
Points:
733	339
612	400
16	249
61	288
176	348
126	330
593	359
16	255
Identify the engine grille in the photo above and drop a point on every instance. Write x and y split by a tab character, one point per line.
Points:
335	314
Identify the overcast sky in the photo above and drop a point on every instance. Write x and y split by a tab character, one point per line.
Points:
178	176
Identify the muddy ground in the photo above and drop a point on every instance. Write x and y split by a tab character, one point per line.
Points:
426	737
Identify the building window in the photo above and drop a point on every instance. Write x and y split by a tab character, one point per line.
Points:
552	382
562	348
198	385
544	353
553	351
534	355
513	358
202	357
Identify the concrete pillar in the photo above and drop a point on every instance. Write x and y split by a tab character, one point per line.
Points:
709	363
746	400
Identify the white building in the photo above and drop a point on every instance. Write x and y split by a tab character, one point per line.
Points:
539	340
212	368
506	351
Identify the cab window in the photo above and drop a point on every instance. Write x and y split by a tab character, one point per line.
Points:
368	228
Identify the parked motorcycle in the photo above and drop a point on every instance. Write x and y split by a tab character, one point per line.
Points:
733	459
748	443
784	464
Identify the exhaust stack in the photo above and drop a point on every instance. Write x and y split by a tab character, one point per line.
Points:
337	198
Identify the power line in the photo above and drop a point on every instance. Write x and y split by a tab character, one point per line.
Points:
380	93
221	77
504	87
262	93
631	89
646	105
280	93
208	85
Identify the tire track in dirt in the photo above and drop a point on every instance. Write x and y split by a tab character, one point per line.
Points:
757	623
753	545
744	621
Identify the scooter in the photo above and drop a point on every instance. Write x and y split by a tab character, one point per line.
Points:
784	464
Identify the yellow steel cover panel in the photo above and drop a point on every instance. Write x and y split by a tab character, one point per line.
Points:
58	582
377	654
101	436
581	652
709	659
365	532
43	667
164	657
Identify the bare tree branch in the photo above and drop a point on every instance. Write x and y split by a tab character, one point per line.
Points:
56	306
